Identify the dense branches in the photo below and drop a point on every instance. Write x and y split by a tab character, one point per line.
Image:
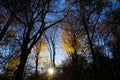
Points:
88	34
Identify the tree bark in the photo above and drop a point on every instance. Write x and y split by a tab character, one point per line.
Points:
36	70
21	66
54	56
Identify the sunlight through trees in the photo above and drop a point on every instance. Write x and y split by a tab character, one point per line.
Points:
79	39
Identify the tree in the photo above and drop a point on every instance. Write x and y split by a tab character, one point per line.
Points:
9	49
39	48
111	30
10	68
88	14
31	18
66	69
71	36
52	38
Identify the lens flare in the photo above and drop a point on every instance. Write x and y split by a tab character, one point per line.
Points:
51	71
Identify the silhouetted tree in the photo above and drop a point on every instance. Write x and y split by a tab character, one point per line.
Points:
52	38
31	17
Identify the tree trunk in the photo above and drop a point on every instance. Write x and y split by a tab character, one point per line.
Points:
90	44
54	56
76	71
21	66
36	70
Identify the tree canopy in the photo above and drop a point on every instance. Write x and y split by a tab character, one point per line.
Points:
36	34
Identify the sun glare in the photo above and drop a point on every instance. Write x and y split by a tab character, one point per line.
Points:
50	71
